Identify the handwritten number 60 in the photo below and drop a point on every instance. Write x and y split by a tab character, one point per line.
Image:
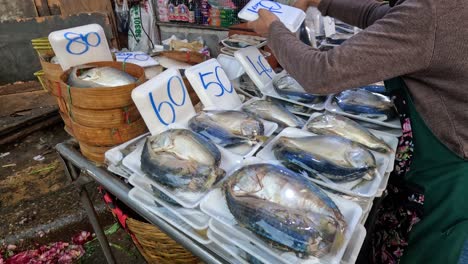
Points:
171	103
217	83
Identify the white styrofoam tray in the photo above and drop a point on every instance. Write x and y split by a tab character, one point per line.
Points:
352	252
114	156
368	189
332	106
147	201
291	17
390	140
187	199
231	66
231	249
223	222
194	217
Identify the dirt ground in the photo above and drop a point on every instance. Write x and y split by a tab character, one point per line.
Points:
38	205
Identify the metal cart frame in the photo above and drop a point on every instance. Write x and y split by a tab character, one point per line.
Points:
81	171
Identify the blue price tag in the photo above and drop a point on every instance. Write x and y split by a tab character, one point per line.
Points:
175	82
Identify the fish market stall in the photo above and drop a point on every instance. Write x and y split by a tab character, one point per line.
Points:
259	171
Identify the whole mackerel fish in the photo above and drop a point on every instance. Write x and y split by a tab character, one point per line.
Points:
331	124
285	209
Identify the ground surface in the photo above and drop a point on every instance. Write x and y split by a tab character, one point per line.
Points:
38	204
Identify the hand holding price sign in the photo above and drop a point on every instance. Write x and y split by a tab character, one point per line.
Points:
291	17
163	101
212	85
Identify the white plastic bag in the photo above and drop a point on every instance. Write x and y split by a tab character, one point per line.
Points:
142	30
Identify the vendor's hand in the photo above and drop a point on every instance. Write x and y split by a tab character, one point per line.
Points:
304	4
263	23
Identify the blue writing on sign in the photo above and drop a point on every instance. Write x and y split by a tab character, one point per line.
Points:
216	83
171	103
262	69
80	42
271	6
128	56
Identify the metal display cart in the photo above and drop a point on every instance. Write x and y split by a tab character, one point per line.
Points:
81	171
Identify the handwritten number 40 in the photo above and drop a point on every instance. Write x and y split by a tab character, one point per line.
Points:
171	103
263	69
216	83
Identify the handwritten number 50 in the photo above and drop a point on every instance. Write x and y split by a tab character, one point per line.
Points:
171	103
216	83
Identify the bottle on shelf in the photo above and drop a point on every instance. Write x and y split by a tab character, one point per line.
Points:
171	11
191	12
205	10
215	20
198	13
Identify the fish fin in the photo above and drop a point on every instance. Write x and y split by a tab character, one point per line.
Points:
261	138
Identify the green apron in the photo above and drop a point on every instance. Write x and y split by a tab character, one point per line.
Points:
440	235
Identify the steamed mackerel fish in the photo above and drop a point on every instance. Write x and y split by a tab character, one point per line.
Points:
274	112
366	104
91	77
228	128
288	87
331	124
336	158
182	160
285	209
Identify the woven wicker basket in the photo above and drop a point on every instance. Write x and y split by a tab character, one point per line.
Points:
108	136
157	247
52	71
93	153
102	98
108	118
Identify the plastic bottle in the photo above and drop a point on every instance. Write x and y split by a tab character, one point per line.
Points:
191	8
215	20
205	10
198	13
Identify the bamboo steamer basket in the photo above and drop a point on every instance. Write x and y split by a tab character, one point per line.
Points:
105	118
157	247
102	98
51	70
108	136
94	153
68	124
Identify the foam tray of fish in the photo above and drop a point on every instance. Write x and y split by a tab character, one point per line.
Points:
283	214
115	156
285	88
330	161
272	111
237	131
332	124
364	105
194	217
190	167
154	208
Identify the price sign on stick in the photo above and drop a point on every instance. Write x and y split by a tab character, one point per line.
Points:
212	85
163	101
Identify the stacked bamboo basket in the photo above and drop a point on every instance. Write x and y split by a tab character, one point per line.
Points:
99	118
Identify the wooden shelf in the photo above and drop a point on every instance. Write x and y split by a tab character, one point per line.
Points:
188	25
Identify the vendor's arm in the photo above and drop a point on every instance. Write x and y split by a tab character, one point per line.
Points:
400	43
359	13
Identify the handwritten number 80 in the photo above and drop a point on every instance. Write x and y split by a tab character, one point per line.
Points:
82	41
171	103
